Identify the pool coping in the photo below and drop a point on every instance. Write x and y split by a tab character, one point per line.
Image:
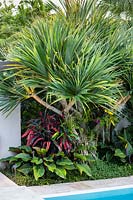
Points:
88	191
82	187
62	189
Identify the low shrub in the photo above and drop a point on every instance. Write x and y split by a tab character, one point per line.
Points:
36	162
47	131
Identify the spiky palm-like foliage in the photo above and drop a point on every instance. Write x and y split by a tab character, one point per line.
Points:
73	64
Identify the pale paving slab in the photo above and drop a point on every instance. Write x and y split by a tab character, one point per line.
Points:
11	191
49	190
6	182
18	193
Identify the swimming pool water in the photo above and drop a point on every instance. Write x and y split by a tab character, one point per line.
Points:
121	194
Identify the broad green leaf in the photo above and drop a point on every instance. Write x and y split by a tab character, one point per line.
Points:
64	162
60	153
69	167
37	160
13	159
23	149
83	168
49	158
6	159
38	171
25	169
119	153
40	151
61	172
24	156
26	149
80	156
90	158
15	149
51	167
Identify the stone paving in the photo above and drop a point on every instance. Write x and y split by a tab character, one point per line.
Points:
10	191
18	193
6	182
50	190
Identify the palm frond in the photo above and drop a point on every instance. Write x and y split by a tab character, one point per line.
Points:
80	63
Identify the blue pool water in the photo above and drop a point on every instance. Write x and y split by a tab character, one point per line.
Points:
121	194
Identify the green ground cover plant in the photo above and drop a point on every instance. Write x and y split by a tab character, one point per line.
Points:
100	170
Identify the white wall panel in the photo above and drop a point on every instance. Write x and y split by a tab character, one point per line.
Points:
10	132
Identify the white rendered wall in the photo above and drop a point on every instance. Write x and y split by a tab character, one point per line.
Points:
10	132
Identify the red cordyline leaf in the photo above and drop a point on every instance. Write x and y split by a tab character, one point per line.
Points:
38	140
59	148
30	137
65	146
26	133
69	148
48	145
61	144
31	133
29	141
